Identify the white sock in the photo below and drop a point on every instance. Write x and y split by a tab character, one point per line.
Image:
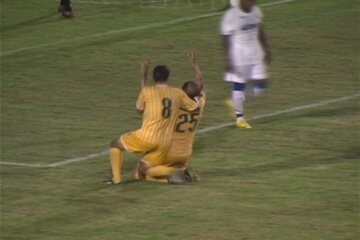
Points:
238	99
258	91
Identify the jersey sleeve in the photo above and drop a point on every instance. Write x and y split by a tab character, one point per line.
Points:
140	103
227	26
187	103
259	13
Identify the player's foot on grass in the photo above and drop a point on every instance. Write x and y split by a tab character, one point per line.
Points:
67	14
178	178
243	124
110	182
191	176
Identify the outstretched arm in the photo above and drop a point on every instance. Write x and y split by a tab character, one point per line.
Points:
265	45
199	77
144	72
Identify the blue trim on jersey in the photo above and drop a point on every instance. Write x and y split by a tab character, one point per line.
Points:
239	86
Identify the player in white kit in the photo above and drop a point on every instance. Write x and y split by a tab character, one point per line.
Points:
247	52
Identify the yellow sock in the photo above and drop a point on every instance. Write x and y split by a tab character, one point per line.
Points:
160	171
117	161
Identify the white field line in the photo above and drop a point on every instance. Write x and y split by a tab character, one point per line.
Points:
204	130
132	29
294	109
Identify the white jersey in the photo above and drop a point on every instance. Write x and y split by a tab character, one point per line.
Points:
243	29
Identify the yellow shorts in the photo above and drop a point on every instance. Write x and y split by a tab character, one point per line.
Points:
172	161
154	154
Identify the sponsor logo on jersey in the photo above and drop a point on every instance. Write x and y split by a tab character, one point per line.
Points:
249	26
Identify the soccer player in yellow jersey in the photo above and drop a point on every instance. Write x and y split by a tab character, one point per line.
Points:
160	105
184	134
183	137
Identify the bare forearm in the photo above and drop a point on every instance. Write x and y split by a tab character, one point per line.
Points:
263	40
144	66
144	81
199	77
226	47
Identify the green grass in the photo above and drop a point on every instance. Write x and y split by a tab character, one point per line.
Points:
294	176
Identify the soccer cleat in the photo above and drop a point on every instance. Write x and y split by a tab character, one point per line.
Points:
110	182
191	176
178	178
243	124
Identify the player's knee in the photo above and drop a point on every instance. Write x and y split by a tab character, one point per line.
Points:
143	167
116	143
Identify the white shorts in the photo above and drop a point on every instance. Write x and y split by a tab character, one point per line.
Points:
247	72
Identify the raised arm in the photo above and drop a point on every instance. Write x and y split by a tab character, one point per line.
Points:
199	77
144	72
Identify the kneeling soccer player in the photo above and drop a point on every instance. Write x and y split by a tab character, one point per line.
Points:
160	105
174	169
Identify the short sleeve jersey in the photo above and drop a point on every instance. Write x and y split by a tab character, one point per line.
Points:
243	29
184	132
161	105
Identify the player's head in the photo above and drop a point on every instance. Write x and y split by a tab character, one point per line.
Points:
247	5
161	74
191	89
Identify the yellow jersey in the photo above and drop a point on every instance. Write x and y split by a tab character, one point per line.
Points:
161	105
184	132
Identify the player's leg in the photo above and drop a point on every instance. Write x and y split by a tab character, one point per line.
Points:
127	142
238	94
67	9
183	162
116	156
61	7
159	173
161	170
259	76
156	164
140	173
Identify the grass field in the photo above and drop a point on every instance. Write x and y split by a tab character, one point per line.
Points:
68	87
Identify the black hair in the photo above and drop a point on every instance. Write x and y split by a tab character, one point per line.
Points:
161	73
191	89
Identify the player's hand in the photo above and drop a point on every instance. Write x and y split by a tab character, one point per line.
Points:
145	66
268	57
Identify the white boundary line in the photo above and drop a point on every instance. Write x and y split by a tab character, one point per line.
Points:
132	29
204	130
